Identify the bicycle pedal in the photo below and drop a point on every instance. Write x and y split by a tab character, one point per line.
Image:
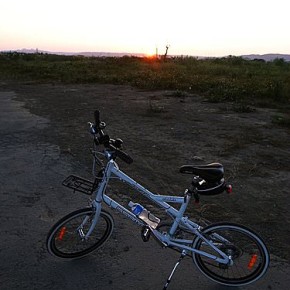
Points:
145	233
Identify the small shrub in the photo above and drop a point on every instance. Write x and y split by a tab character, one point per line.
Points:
178	94
281	120
243	108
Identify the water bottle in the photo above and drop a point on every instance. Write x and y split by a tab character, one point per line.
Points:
144	214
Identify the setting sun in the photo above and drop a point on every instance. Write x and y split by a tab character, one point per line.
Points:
150	55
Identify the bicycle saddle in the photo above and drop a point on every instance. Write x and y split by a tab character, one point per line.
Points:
212	172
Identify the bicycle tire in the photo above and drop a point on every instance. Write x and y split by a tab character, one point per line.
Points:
64	239
249	253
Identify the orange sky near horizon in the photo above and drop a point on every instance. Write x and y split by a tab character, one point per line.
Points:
190	27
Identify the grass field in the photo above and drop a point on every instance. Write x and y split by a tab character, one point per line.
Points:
219	79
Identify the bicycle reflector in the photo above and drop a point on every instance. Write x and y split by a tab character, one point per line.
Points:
229	188
252	261
61	233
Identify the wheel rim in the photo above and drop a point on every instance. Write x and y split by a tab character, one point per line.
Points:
69	238
249	255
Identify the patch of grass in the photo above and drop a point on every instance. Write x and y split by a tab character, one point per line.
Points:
221	79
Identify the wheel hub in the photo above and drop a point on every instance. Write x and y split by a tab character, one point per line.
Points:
232	252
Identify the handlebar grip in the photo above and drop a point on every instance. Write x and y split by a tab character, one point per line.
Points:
97	118
124	156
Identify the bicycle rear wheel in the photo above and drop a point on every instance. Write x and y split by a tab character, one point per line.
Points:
248	251
66	239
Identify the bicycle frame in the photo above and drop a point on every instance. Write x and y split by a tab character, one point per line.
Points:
214	248
112	170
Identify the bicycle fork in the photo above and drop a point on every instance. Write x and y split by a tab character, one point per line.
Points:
97	211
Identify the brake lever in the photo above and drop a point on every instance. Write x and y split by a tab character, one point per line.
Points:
102	125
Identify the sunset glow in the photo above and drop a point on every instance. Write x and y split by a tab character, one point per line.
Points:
191	27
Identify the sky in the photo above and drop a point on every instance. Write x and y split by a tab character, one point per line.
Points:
188	27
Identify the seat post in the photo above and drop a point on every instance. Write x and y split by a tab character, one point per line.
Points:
181	212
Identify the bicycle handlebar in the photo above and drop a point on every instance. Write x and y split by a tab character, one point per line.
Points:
122	155
104	139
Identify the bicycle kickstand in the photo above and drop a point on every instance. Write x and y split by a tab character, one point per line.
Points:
183	254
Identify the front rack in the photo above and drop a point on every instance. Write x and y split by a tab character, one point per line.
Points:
80	184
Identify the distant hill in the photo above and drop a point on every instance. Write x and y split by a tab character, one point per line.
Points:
109	54
267	57
88	54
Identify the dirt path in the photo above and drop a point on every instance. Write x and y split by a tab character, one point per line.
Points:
43	139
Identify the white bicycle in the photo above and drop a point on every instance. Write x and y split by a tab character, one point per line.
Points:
227	253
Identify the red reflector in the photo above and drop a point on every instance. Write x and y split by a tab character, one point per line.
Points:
61	233
229	188
252	261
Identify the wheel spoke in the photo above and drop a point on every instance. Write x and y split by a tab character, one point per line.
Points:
67	239
248	252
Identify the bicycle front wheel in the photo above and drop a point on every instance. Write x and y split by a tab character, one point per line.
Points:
247	250
66	239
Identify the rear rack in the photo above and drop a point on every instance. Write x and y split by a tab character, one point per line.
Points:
80	184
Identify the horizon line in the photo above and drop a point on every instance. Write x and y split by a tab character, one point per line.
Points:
36	50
